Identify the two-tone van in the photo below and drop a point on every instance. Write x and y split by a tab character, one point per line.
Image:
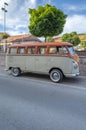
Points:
57	59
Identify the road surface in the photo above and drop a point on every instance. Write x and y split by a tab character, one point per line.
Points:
29	103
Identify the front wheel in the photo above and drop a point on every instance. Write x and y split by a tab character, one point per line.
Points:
15	71
56	75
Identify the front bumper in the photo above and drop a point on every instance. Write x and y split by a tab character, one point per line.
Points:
72	75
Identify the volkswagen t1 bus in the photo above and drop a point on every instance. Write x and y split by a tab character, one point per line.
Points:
57	59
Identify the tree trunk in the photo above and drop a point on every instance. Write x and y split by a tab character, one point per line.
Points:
45	39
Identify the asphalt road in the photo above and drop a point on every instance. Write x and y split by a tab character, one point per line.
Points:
32	102
79	81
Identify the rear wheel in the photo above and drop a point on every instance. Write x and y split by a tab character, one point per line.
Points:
15	71
56	75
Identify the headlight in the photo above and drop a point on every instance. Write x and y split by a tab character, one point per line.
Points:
75	64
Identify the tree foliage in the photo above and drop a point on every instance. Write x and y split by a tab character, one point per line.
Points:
71	37
46	21
4	35
50	39
83	42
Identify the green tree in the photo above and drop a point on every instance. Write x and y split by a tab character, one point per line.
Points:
83	42
4	35
50	39
46	21
71	37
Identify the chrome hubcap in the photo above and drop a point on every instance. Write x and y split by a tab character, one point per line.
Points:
55	76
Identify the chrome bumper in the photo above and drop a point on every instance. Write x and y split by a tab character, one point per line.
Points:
72	75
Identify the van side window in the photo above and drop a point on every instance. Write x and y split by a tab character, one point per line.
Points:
53	50
42	50
21	50
13	50
31	50
57	50
63	50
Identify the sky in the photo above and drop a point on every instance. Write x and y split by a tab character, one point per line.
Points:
17	17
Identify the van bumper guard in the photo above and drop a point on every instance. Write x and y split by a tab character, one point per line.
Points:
72	75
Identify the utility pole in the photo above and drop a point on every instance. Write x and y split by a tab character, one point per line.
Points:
5	11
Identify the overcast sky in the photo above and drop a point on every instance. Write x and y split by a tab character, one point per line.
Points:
17	17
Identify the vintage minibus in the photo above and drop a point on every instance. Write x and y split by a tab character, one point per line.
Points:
57	59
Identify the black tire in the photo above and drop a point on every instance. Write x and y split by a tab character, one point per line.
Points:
15	71
56	75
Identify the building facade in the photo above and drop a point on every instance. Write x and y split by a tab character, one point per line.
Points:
18	39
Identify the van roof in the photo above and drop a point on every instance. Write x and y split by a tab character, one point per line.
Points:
42	44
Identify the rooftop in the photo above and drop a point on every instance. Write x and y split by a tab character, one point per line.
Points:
19	38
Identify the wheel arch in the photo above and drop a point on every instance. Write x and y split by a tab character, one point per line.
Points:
56	68
14	67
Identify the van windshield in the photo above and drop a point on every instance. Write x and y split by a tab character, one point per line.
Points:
71	50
